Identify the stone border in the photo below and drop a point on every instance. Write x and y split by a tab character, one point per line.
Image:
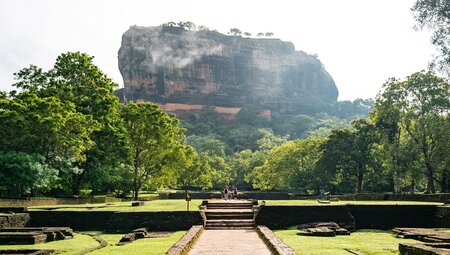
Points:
183	245
275	244
101	241
423	248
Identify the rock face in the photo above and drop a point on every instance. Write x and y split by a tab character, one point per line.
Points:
172	65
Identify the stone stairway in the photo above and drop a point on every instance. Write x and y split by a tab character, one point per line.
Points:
229	214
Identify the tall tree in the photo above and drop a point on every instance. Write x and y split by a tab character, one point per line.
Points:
44	126
244	162
290	165
191	170
23	173
153	137
346	154
435	15
75	79
419	105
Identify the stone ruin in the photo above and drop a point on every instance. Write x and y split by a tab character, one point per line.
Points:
139	234
137	203
329	229
435	242
424	249
423	234
35	235
27	252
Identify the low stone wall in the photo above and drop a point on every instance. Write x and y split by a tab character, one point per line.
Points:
274	217
352	216
194	195
41	201
112	222
288	196
16	220
281	217
153	221
265	195
13	209
396	197
183	246
80	221
443	216
275	244
241	195
390	216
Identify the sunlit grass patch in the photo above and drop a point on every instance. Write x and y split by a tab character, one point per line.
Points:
315	202
148	246
75	245
149	206
367	241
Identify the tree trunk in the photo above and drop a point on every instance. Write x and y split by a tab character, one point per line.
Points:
444	182
429	168
430	177
136	193
413	187
136	185
76	184
359	188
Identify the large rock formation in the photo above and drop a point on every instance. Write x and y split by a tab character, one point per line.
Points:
173	65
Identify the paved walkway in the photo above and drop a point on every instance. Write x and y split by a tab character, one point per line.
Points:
229	242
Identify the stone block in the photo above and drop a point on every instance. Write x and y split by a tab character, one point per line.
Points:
27	252
320	231
424	249
137	203
9	238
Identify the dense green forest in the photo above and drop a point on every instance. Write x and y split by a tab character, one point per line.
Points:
63	132
402	146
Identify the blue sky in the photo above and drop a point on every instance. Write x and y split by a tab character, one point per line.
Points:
361	43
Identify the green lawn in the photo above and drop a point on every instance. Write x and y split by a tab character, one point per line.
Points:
180	205
80	242
314	202
147	246
367	241
149	206
66	247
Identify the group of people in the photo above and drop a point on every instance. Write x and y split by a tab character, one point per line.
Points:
229	192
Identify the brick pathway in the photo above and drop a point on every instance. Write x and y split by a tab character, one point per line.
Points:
229	242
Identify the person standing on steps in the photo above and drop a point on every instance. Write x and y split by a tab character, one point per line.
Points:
226	192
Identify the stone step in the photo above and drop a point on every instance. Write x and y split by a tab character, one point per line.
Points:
229	210
229	204
225	202
229	228
228	207
229	216
9	238
230	223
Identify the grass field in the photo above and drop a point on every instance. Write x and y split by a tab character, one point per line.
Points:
369	242
148	246
75	245
81	242
314	202
180	205
149	206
